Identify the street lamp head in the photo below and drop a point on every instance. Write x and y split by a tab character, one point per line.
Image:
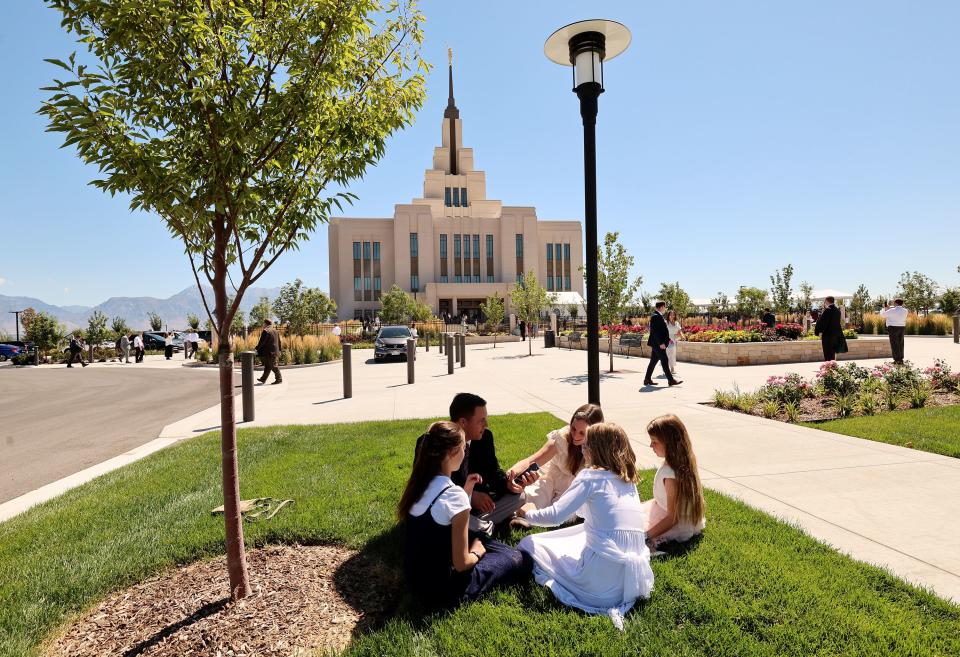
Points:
585	46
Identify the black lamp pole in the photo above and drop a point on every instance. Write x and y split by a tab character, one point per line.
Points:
588	94
584	46
17	320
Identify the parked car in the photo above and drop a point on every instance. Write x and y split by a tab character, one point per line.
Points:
9	351
391	341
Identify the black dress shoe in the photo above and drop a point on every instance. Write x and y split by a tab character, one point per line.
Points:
648	382
676	382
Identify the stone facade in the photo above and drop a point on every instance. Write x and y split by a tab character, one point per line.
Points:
453	247
752	353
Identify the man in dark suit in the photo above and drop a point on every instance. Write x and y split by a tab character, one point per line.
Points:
76	351
829	328
268	349
496	497
769	319
658	341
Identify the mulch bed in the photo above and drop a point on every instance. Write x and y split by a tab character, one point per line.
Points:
304	599
821	409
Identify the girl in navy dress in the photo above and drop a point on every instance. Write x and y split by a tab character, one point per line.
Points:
444	566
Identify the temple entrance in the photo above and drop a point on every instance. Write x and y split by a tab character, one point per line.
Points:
444	307
470	307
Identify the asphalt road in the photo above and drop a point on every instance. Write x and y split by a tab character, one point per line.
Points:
55	421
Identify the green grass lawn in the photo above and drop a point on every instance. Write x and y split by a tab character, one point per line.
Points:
934	430
751	586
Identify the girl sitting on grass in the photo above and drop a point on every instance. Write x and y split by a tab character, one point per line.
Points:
443	566
603	565
560	458
676	512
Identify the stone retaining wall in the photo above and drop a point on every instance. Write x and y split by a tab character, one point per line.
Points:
753	353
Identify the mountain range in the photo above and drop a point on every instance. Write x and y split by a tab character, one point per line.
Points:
173	310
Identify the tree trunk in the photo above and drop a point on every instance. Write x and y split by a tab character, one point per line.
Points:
529	341
233	523
610	349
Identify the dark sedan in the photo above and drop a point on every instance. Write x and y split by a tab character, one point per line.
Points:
391	341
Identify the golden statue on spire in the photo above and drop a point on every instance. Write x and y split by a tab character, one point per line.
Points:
449	56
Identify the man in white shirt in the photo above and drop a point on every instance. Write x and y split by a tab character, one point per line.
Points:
896	318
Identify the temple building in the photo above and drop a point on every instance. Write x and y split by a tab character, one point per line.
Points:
454	247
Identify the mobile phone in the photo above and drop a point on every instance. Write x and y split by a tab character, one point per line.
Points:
533	468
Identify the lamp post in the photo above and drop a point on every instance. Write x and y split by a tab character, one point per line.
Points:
585	46
17	321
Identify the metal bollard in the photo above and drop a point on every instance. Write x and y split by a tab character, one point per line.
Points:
456	346
90	357
426	338
347	371
36	356
449	340
956	328
463	351
443	338
411	358
246	379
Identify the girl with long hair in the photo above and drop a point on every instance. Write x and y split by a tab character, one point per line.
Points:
560	459
676	512
443	565
603	565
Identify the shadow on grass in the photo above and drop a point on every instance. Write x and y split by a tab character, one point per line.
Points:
372	581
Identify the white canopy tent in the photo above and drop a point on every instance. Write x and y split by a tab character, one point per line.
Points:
563	300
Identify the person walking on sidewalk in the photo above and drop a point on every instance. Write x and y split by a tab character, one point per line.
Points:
896	318
658	341
138	348
125	348
829	328
268	349
168	345
76	351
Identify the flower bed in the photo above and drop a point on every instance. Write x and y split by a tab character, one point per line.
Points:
839	391
735	353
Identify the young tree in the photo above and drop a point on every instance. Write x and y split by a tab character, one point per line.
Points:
420	311
239	324
750	301
193	322
96	328
719	305
493	310
950	300
396	306
573	310
232	121
615	289
859	305
119	326
299	306
918	291
26	317
677	299
261	311
780	289
155	322
804	300
528	299
45	331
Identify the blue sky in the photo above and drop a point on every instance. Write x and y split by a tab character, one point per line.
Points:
733	138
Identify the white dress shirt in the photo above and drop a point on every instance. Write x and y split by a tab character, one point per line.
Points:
895	315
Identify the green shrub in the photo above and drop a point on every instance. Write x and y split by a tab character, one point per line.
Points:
723	399
890	398
770	409
793	411
919	394
843	405
867	403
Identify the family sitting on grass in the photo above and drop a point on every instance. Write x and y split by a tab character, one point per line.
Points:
458	498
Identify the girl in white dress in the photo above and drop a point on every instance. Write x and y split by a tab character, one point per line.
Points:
603	565
676	333
560	459
676	512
